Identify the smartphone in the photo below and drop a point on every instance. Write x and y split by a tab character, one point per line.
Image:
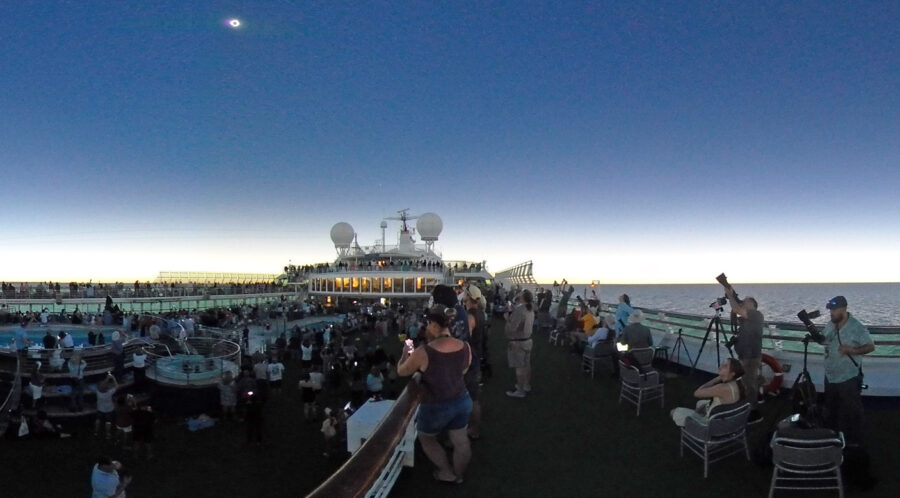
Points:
409	345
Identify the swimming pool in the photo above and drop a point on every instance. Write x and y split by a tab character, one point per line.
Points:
36	333
190	369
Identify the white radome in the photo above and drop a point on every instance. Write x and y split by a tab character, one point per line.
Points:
429	226
342	234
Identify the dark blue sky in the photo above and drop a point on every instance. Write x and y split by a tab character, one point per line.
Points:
678	138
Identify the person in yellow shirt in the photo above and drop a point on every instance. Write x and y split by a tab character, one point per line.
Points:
589	325
589	322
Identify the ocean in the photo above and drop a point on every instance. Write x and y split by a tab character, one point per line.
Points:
873	304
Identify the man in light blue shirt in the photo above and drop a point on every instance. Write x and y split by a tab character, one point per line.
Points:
846	340
623	311
21	336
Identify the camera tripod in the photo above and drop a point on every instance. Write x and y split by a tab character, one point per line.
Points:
715	324
804	391
677	348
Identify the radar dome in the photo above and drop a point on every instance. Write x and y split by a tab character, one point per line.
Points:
429	226
383	224
342	234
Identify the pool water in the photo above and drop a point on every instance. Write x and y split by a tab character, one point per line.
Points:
36	334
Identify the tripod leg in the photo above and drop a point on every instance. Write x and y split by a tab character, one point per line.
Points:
702	345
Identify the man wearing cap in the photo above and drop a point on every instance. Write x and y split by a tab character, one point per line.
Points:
846	340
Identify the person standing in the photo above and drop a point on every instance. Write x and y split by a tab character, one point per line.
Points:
76	367
275	371
139	367
562	308
846	341
143	418
519	325
105	481
623	312
748	346
49	340
476	305
21	337
446	404
105	406
228	394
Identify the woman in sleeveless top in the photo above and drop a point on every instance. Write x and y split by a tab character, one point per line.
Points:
725	389
446	404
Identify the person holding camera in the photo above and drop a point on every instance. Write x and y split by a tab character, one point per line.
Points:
748	344
446	405
846	340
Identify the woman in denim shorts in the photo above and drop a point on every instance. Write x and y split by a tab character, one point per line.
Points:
446	404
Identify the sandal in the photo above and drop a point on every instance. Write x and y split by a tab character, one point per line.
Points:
445	481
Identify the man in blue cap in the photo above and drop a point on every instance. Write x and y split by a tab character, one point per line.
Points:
846	340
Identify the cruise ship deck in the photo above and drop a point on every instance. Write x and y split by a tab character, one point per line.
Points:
570	438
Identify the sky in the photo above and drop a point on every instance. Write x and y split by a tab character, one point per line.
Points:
625	142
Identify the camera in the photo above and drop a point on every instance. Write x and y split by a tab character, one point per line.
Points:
722	279
806	318
731	341
718	303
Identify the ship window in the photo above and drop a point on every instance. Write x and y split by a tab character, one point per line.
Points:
376	284
409	285
398	285
366	284
387	285
355	284
419	284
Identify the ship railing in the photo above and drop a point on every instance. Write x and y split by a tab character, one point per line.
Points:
670	321
40	291
372	470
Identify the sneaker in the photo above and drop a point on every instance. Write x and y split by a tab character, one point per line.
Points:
516	394
755	417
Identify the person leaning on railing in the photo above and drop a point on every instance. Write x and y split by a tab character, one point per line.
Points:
446	405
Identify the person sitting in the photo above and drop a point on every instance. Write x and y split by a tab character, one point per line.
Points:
637	335
604	332
42	428
724	389
588	324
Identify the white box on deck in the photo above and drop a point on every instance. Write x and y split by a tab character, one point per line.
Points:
363	422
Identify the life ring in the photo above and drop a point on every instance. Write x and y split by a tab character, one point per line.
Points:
775	384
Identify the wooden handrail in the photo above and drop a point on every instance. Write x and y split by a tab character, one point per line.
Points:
359	474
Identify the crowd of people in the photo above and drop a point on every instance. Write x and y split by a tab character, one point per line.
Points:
368	264
737	380
119	290
340	366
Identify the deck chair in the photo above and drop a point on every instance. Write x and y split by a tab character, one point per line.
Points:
638	388
808	464
600	352
644	356
723	435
